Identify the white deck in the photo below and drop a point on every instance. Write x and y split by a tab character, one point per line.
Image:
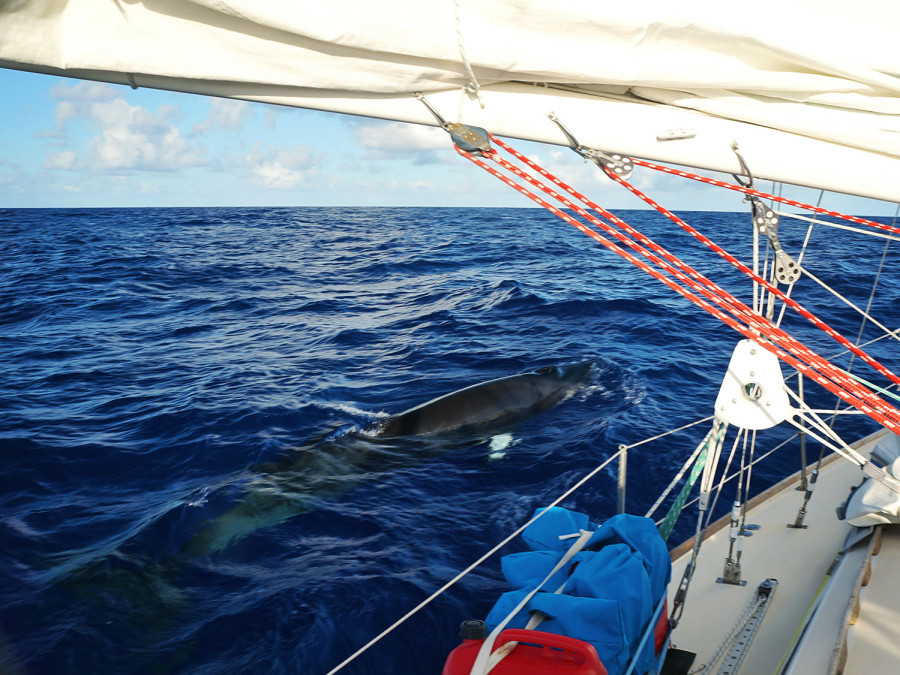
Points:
799	560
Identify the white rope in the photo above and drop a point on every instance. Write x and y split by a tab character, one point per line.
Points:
815	422
473	89
756	304
671	431
862	325
790	287
722	480
862	312
684	468
894	333
757	461
471	567
838	226
484	661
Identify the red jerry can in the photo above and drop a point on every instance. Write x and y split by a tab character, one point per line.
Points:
538	653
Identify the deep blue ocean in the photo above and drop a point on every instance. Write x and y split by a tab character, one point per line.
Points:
156	361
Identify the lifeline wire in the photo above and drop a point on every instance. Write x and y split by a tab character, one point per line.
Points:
475	564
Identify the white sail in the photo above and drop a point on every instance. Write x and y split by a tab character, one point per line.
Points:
810	89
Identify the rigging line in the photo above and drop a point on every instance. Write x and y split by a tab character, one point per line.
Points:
757	461
863	312
874	288
880	390
473	88
749	477
818	424
893	333
763	195
658	249
665	493
709	469
773	280
722	481
797	216
722	253
475	564
838	383
809	231
826	443
803	462
666	433
756	307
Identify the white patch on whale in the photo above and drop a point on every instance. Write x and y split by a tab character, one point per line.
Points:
498	444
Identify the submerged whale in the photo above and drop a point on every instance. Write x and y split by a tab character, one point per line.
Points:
294	484
297	483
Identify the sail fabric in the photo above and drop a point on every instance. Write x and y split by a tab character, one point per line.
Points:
793	49
817	69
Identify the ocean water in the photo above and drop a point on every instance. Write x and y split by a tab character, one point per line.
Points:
158	362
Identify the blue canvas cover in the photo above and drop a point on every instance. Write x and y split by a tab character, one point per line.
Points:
642	535
593	620
544	534
528	569
610	591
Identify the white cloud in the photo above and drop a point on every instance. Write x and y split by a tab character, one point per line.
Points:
83	90
75	101
393	140
283	169
60	160
135	138
225	114
130	137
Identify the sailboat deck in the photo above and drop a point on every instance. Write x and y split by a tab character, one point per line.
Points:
800	560
873	645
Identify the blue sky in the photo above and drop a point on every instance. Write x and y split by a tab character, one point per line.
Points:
74	143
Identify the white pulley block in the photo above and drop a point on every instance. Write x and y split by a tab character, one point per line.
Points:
752	395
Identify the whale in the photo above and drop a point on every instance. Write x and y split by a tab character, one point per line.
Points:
298	481
334	462
503	400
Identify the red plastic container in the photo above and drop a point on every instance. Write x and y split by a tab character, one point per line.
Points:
540	653
537	653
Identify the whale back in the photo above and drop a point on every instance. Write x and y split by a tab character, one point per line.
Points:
496	401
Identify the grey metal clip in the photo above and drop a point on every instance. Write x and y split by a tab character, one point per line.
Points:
746	169
613	163
787	271
473	140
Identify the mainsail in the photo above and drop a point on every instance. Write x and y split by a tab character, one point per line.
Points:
810	90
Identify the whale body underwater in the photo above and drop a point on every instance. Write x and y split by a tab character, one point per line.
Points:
295	483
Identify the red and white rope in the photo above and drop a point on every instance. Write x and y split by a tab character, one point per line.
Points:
764	195
692	285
